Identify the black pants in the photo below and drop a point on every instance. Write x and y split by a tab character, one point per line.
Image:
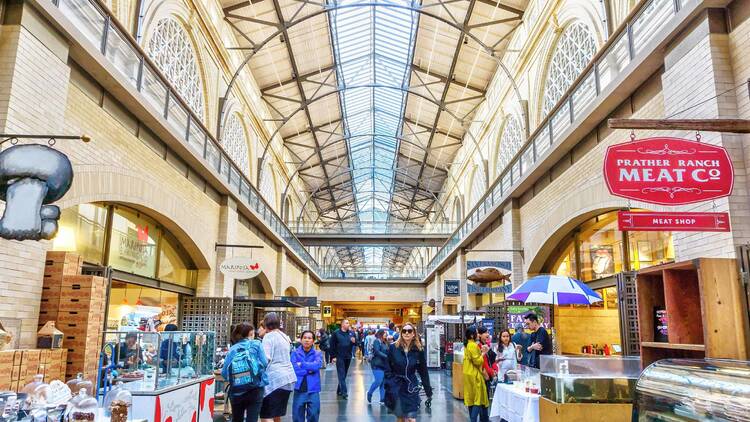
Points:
246	407
342	368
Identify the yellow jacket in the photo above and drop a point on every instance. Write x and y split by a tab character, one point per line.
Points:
475	390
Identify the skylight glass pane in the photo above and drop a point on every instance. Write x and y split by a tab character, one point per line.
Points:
373	47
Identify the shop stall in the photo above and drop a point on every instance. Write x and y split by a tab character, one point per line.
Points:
168	374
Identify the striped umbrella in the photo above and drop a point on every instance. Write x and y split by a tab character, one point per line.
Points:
556	290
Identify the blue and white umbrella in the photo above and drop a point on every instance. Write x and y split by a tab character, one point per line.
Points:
554	289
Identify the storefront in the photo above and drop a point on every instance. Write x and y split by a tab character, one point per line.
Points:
150	272
596	252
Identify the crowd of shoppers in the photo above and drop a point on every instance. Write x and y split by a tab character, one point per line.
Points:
263	373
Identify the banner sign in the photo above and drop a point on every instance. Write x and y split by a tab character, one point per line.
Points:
490	325
303	301
473	288
668	171
517	313
673	221
488	271
240	267
452	288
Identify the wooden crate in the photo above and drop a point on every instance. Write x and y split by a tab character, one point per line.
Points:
593	412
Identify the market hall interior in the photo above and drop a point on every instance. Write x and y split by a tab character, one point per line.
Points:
170	169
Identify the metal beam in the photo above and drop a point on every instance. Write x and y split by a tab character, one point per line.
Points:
445	79
703	125
294	79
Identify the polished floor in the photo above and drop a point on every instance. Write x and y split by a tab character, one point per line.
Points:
356	409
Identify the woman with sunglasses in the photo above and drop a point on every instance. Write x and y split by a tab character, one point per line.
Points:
406	357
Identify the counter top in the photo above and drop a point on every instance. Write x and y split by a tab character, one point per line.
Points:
144	388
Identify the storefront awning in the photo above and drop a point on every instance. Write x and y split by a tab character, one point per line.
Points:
268	303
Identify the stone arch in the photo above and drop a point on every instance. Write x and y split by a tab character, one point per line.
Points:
458	210
511	132
291	291
477	186
144	194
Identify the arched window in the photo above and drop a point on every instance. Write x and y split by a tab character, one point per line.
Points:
170	48
478	184
268	184
235	143
575	49
458	215
510	142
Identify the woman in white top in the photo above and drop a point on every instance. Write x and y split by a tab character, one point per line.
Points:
507	355
281	376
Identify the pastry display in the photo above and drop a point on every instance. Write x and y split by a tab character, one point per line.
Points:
119	411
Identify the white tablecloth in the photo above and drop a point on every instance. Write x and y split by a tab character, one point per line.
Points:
514	405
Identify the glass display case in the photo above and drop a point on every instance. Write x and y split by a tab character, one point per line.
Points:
573	379
694	390
150	361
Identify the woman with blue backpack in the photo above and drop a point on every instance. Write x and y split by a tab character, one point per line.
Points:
306	362
244	369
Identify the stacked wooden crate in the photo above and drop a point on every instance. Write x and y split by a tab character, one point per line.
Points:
76	303
18	367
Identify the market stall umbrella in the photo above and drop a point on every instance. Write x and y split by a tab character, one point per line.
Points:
556	290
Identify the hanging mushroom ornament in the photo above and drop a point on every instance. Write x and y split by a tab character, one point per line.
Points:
32	176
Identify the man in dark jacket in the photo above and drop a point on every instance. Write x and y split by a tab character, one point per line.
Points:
342	342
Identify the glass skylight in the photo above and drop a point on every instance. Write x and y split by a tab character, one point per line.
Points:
373	47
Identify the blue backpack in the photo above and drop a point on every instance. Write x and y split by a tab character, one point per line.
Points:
246	370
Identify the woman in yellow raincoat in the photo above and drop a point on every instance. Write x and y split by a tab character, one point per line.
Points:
475	389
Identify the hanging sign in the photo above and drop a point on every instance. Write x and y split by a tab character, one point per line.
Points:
488	271
475	289
240	267
303	301
673	221
668	171
452	288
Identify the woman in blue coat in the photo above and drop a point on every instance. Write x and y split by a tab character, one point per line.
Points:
379	364
307	363
406	358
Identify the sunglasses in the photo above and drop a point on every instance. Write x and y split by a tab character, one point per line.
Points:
408	330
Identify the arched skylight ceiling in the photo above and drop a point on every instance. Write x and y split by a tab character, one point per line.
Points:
372	98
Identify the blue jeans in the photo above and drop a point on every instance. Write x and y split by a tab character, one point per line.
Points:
479	413
377	384
342	367
306	407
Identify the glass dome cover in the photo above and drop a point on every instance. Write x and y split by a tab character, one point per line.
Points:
117	394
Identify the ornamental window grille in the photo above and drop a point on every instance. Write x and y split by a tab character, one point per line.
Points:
172	52
267	185
575	49
478	184
510	142
235	143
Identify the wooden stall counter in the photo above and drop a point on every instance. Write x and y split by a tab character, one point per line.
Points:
457	376
589	412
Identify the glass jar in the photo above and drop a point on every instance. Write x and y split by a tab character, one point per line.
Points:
8	406
118	397
82	409
79	382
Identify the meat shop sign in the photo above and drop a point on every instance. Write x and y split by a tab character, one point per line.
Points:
668	171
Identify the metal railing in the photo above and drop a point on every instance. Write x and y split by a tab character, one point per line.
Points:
376	227
103	31
630	40
376	272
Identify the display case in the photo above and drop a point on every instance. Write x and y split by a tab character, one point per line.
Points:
165	372
573	379
694	390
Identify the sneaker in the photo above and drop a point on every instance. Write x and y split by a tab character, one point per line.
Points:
369	398
345	397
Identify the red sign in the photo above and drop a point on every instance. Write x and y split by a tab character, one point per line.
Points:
372	297
673	221
668	171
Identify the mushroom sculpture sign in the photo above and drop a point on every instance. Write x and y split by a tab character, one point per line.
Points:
31	178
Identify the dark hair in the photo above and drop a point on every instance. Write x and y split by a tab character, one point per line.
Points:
171	327
471	334
391	325
482	329
500	345
131	334
532	317
271	321
379	334
305	332
241	331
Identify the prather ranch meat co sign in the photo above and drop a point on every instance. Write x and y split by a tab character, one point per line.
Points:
668	171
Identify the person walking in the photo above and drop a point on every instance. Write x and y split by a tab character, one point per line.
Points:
306	362
507	355
379	364
406	358
324	344
343	342
369	341
244	369
475	389
281	376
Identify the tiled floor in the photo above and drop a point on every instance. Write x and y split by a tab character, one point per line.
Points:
356	409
